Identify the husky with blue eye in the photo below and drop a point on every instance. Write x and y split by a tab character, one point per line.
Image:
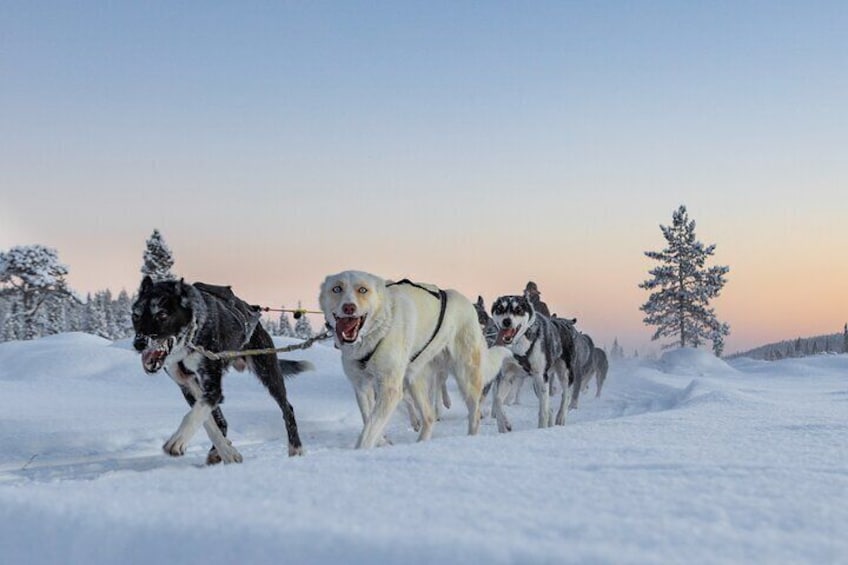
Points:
171	320
394	338
547	349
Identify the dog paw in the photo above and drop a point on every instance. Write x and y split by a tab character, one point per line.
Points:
212	458
228	454
176	446
295	451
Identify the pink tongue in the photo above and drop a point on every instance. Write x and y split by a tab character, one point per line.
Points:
151	357
503	335
347	327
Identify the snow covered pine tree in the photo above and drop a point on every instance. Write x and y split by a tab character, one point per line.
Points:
29	275
157	259
682	288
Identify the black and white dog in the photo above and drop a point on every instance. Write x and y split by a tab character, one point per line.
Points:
171	319
547	349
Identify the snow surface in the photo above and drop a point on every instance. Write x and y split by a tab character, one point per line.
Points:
684	460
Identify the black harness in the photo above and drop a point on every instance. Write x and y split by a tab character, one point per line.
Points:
441	295
524	360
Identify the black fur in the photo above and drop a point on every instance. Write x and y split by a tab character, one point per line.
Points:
165	312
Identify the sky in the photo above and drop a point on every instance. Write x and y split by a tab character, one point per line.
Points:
474	145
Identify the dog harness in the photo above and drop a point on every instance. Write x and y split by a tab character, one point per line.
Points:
524	360
441	295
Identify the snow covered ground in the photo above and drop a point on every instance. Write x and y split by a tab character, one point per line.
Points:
684	460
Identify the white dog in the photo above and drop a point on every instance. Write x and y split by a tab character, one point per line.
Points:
394	337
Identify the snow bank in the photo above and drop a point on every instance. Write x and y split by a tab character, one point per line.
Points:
685	466
690	361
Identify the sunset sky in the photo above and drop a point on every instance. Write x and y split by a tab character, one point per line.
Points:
475	145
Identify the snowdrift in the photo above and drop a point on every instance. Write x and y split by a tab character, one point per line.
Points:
685	459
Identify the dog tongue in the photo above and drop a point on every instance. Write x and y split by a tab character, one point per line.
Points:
150	358
347	328
505	336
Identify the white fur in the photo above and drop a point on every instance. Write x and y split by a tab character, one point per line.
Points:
399	321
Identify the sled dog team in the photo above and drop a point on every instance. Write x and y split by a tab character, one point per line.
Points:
399	341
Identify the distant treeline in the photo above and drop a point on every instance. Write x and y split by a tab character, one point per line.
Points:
100	314
799	347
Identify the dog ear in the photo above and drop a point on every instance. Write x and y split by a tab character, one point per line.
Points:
146	283
480	302
182	292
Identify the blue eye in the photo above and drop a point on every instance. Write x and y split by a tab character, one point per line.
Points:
337	289
362	290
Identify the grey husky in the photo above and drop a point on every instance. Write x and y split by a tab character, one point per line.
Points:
171	320
547	348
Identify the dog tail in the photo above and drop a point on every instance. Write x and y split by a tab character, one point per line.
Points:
291	368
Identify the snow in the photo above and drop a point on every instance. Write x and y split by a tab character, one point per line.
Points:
686	459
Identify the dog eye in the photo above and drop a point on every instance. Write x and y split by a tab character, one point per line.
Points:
337	289
162	315
362	290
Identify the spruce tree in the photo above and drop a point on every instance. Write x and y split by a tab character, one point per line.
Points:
302	328
13	328
284	328
845	339
122	315
682	288
157	259
616	351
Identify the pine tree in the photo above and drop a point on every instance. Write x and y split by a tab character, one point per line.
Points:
616	351
157	259
32	274
13	328
717	337
284	325
845	339
682	288
302	328
122	315
270	326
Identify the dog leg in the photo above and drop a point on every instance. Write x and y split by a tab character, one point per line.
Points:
419	385
267	369
388	395
223	447
575	390
216	429
515	392
364	392
542	389
503	386
468	373
561	374
178	442
414	414
215	426
443	381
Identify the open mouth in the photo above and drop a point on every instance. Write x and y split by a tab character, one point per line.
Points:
506	336
347	328
153	357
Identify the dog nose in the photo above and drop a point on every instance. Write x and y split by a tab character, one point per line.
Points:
140	342
506	322
349	309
